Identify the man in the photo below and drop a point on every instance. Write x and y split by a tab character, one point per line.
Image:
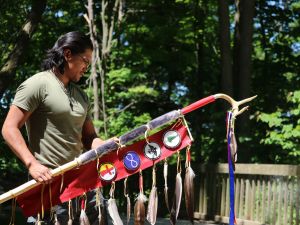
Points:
54	110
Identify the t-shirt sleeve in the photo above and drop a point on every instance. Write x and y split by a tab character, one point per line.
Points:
29	95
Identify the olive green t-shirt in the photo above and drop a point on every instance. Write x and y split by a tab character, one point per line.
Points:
55	126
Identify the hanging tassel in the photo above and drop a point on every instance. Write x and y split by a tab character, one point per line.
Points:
56	222
98	204
112	207
39	217
52	210
13	211
187	128
113	212
139	207
231	140
176	199
153	200
233	144
127	200
147	133
61	183
38	221
139	210
189	186
98	163
70	212
42	200
104	213
166	184
177	194
83	217
101	204
231	155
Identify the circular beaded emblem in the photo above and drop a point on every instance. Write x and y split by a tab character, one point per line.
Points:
131	160
152	150
107	172
172	139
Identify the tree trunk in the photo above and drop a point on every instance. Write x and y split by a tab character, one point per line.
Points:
226	64
95	58
7	72
101	54
245	49
242	67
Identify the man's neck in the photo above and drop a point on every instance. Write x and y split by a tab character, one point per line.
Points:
61	76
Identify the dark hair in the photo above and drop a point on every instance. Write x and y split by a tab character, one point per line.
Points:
76	41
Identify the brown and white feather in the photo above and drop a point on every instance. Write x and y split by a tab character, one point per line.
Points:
189	192
139	209
113	212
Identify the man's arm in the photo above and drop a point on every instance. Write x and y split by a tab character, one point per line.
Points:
90	139
11	133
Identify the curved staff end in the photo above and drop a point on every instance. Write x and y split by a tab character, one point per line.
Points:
234	104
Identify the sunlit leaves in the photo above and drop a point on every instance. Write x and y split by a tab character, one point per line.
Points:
284	128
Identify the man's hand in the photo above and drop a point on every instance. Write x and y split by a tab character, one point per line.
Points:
97	142
40	173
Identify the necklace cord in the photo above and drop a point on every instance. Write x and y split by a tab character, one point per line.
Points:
66	90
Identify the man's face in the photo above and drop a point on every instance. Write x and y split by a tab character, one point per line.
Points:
77	64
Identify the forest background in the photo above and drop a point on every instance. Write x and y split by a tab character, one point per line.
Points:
156	56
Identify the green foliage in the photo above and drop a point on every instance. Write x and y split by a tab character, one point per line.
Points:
126	121
126	85
8	163
166	55
284	129
138	92
126	91
276	82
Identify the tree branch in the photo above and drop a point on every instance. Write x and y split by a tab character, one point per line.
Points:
7	72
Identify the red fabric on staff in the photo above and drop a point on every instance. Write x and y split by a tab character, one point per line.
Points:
198	104
81	180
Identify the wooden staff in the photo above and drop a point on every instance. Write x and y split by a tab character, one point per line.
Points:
129	137
32	183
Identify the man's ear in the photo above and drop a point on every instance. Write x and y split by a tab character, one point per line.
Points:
67	54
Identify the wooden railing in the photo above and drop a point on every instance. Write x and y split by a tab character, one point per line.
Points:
264	194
